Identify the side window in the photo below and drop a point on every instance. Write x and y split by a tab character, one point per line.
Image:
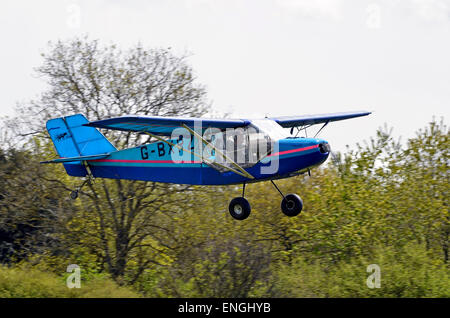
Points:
259	146
245	146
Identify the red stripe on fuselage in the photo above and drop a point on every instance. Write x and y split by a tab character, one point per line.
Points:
293	150
143	161
171	161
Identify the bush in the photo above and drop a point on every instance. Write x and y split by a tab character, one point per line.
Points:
26	282
408	272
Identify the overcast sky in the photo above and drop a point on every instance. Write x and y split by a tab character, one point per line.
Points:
263	57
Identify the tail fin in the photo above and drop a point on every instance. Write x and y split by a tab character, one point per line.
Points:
72	139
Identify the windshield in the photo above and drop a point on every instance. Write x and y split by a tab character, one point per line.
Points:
271	128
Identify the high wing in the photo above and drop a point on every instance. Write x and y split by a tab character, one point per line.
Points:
163	126
158	126
296	121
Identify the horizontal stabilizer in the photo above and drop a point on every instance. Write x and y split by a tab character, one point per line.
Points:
80	158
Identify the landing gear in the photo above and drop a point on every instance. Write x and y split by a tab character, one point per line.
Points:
89	179
291	205
239	208
74	194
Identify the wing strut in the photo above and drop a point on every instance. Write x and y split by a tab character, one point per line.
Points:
238	167
326	123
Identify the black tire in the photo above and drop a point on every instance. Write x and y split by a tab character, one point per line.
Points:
291	205
74	195
239	208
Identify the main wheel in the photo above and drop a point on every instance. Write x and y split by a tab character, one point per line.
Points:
239	208
291	205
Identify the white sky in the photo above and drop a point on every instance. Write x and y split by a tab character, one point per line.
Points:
263	57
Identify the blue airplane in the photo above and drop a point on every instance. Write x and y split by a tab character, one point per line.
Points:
196	151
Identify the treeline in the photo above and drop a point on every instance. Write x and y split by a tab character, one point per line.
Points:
382	203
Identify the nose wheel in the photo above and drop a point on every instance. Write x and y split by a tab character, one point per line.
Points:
240	208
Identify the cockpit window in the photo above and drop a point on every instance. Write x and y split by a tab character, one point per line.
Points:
270	128
246	146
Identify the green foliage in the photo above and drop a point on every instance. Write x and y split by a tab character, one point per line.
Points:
26	282
384	204
408	272
15	282
32	211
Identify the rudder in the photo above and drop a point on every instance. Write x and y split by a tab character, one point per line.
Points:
72	139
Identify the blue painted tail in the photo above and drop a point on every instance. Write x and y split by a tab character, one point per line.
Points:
72	139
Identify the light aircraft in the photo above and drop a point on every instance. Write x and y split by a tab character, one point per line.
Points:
196	151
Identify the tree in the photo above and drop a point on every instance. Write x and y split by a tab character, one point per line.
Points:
32	212
426	176
117	218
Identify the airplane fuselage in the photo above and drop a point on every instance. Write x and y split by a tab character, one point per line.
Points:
155	162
